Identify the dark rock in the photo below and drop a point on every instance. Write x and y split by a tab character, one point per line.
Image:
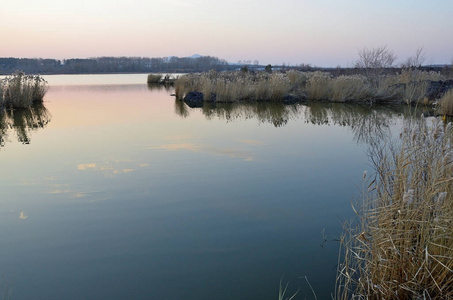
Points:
194	99
437	89
289	99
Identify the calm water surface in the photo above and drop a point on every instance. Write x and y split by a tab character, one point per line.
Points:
114	190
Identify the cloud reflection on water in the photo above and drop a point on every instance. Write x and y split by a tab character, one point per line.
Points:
235	153
111	168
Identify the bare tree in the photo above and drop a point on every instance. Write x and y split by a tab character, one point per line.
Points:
374	61
416	60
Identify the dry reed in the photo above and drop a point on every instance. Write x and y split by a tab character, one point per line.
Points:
20	90
154	78
446	104
402	247
410	86
415	84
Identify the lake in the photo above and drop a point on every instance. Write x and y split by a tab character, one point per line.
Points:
113	190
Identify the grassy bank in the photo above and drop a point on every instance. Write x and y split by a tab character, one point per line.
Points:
408	86
20	90
402	245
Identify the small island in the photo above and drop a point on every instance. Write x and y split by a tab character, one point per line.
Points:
407	86
374	80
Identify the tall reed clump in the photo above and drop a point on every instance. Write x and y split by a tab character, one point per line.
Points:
446	103
402	247
20	90
350	88
154	78
318	86
415	84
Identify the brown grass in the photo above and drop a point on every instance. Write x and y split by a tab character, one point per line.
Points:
410	86
402	247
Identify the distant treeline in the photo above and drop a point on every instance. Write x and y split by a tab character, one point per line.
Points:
113	65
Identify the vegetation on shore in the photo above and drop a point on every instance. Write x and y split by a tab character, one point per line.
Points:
154	78
373	80
160	79
20	90
402	246
409	87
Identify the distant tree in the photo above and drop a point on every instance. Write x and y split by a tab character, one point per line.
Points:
244	69
268	68
112	65
374	61
305	67
416	60
256	62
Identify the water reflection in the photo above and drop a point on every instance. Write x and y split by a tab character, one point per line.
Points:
366	122
160	87
275	113
23	122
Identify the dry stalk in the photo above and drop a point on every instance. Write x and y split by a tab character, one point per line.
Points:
402	246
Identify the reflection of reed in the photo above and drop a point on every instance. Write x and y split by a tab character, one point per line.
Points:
365	122
181	109
23	121
159	87
275	113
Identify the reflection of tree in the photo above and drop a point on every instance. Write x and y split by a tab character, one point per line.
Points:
365	122
23	122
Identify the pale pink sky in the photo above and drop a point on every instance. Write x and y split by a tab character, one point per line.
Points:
322	33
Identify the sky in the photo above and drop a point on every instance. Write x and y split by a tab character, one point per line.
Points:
325	33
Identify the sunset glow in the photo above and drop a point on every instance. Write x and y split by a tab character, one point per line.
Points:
322	33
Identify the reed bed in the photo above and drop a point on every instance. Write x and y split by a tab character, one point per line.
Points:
154	78
402	245
409	86
20	90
